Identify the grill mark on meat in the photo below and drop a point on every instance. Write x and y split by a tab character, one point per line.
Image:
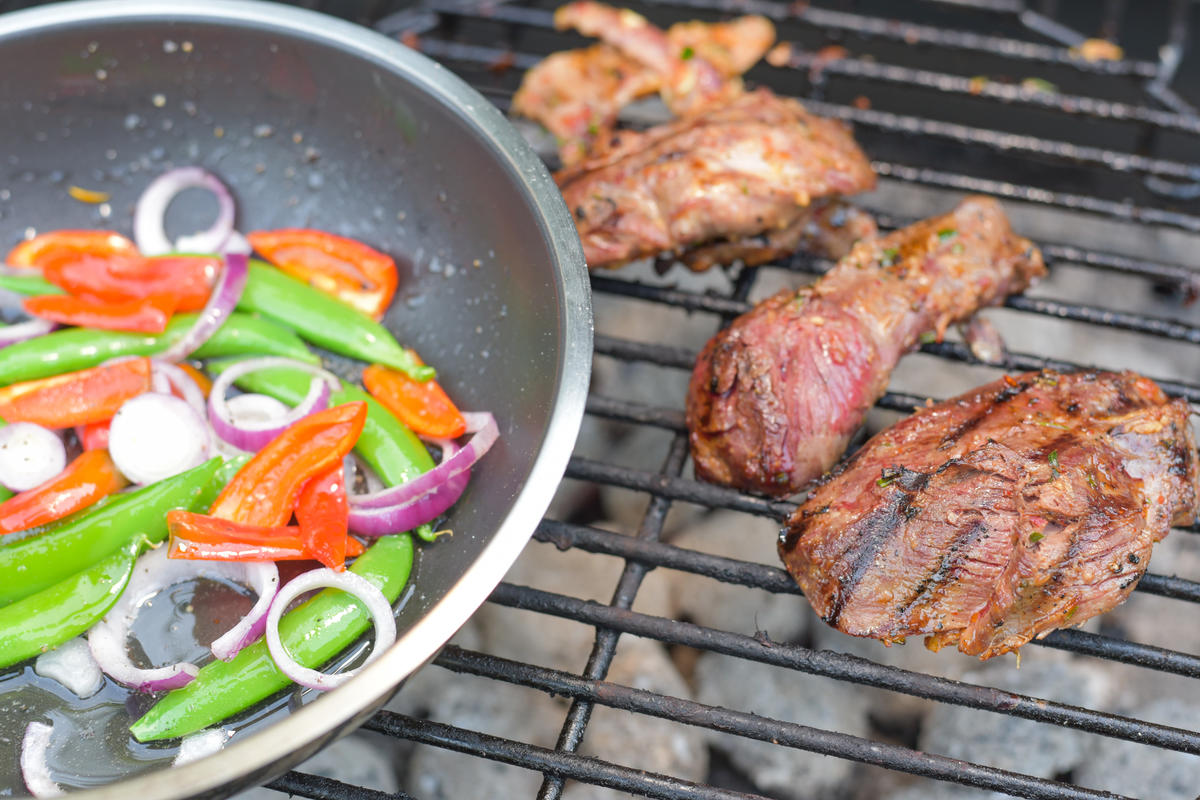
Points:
876	531
1007	393
952	559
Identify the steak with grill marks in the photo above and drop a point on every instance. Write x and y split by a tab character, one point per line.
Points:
775	397
1026	505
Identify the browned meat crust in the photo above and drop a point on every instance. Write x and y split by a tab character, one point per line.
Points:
577	94
1028	504
741	169
776	396
827	228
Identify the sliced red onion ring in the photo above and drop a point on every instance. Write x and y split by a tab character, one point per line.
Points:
221	302
72	665
26	329
151	212
30	455
377	605
34	768
181	382
154	436
153	573
404	507
253	435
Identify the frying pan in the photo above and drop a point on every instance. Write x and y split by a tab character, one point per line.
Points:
314	122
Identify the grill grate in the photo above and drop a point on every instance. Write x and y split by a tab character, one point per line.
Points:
1135	166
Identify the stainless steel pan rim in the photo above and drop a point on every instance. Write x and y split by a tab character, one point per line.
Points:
285	743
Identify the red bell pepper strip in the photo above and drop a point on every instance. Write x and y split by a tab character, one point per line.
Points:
359	276
188	279
75	398
265	491
199	536
147	315
323	513
60	247
424	407
88	478
94	435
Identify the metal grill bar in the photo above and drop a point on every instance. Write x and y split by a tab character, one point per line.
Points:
959	134
1125	211
765	729
550	762
1074	105
318	787
680	358
850	23
605	645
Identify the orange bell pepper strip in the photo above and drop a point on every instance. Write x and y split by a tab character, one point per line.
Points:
58	247
75	398
323	512
359	276
264	492
147	315
199	536
424	407
202	380
188	279
88	478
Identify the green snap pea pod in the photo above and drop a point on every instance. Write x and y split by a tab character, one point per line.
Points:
48	618
325	321
4	493
30	284
33	564
313	633
74	349
386	443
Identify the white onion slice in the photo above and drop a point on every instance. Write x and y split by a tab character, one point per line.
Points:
199	745
255	434
150	214
377	606
155	436
72	665
34	768
30	455
153	573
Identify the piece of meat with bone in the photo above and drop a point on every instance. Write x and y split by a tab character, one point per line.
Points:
775	398
1023	506
577	94
741	169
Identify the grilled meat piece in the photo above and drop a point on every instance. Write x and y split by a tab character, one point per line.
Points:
827	228
775	397
1026	505
577	94
741	169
